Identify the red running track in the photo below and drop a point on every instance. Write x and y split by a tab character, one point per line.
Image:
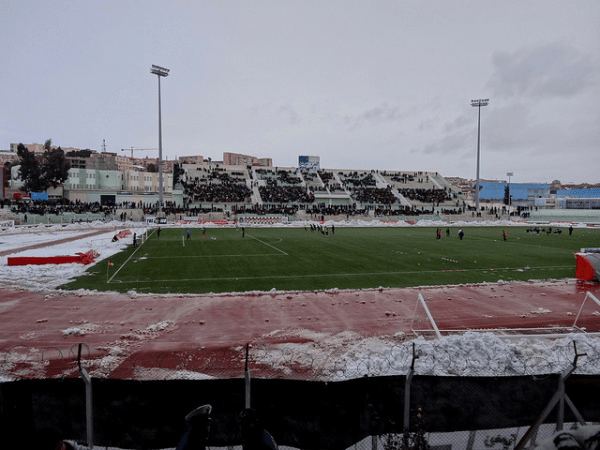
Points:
40	332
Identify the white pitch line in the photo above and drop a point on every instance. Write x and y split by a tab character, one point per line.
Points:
331	275
268	245
215	256
126	261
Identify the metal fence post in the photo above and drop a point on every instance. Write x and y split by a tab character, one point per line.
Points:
89	415
407	384
559	398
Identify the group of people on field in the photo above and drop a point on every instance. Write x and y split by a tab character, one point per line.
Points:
438	233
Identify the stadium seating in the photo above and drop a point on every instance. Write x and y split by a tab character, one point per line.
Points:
490	190
287	190
578	193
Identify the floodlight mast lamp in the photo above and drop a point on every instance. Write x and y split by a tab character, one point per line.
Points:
478	103
159	72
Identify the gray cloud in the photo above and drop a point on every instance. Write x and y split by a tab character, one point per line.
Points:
457	144
548	71
381	114
284	111
289	113
459	123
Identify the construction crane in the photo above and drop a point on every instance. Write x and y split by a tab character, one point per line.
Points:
132	149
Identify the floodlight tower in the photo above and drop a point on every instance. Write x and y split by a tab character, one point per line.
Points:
159	72
478	103
509	174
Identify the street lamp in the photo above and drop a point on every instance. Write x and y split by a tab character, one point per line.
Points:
159	72
478	103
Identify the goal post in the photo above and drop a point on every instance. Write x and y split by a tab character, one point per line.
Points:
422	315
587	295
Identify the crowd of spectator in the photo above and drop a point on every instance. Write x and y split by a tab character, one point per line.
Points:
278	177
326	177
402	211
322	210
329	183
266	209
55	207
374	195
357	179
285	194
285	177
217	187
318	210
435	196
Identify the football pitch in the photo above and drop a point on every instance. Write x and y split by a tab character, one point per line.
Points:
349	258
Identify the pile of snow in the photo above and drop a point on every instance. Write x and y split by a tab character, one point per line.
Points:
347	355
47	277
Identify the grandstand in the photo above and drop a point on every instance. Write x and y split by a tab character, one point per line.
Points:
541	195
213	190
288	190
579	193
494	190
583	198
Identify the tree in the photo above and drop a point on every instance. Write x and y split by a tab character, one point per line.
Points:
507	195
38	174
152	168
55	169
30	171
79	153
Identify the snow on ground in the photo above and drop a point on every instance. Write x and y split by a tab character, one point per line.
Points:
336	356
470	354
347	355
47	277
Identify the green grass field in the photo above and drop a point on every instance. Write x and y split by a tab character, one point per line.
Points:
352	258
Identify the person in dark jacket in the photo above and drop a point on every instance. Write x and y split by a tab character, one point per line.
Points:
254	435
197	425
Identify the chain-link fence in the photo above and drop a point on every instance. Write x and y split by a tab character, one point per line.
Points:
460	356
414	393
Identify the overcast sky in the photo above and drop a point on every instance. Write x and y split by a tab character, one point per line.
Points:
364	84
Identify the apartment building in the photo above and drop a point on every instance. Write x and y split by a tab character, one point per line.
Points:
237	159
